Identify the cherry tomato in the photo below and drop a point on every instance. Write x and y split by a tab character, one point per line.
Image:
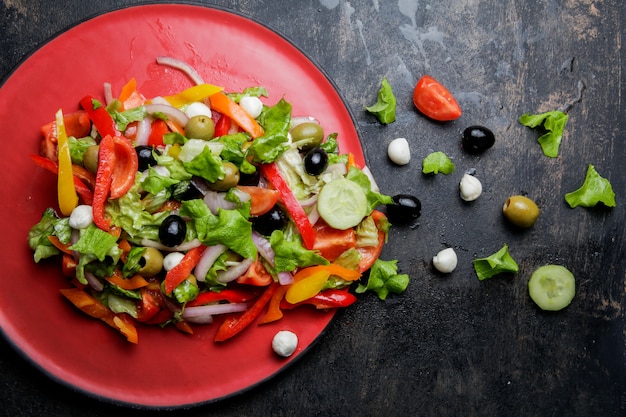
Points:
256	275
435	101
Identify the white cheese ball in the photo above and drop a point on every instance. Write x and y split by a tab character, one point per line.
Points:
445	261
81	217
399	152
172	259
197	109
285	343
470	187
253	105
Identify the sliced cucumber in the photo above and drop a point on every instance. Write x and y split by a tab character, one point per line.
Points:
552	287
342	204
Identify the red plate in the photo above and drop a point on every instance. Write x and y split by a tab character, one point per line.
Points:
166	368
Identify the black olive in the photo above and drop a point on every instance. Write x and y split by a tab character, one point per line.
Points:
144	154
250	179
274	219
315	161
172	231
477	139
186	190
404	209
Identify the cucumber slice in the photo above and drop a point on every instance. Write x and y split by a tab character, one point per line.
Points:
342	204
552	287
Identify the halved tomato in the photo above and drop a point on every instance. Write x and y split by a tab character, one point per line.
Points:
369	254
261	199
435	101
256	275
332	242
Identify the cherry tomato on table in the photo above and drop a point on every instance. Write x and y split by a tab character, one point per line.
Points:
435	101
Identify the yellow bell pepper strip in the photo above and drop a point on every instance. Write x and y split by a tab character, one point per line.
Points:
66	191
220	102
104	177
271	172
198	92
306	287
233	325
333	269
83	191
94	308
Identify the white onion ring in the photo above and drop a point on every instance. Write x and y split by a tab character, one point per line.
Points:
285	278
213	309
308	202
234	272
216	200
207	259
93	281
182	66
374	187
108	93
144	127
314	215
171	112
199	320
180	248
263	247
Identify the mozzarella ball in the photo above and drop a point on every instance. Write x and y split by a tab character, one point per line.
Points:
197	109
399	152
285	343
470	187
445	261
81	217
253	105
172	259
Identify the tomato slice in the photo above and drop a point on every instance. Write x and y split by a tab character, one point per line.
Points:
256	275
261	199
158	129
369	254
435	101
332	242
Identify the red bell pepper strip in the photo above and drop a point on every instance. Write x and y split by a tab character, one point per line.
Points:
271	172
125	168
232	295
100	117
83	191
180	272
331	298
104	177
233	325
222	126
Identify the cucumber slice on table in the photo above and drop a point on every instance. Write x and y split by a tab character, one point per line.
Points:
342	204
552	287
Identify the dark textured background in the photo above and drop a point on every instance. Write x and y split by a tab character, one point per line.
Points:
451	345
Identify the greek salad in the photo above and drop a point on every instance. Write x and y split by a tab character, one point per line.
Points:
179	209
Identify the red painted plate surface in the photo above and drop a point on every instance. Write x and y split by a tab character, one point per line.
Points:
167	368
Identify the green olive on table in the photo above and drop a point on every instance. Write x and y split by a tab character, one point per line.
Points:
90	158
521	211
151	261
200	127
230	180
307	135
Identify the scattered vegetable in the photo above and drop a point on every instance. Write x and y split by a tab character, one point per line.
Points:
554	123
385	107
437	162
384	278
498	263
435	101
595	189
521	211
552	287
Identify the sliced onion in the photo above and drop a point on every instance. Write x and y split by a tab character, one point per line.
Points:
216	200
144	127
263	247
234	272
374	186
336	169
285	278
180	248
182	66
207	260
309	201
108	93
93	281
200	320
313	215
171	112
213	309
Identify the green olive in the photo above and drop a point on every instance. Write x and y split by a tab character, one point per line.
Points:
521	211
307	135
231	178
151	262
90	158
200	127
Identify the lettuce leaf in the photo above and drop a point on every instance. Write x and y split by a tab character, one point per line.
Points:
595	189
290	254
554	123
383	279
495	264
385	107
437	162
374	199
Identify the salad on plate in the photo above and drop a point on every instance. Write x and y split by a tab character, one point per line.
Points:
179	209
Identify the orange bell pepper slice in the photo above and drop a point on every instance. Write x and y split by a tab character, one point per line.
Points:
220	102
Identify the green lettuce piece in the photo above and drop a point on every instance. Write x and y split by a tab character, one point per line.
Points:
94	244
78	148
174	166
554	123
206	165
155	183
228	227
133	259
290	254
123	119
275	121
250	92
129	213
174	138
437	162
374	199
119	304
233	152
595	189
384	279
186	291
499	262
385	107
39	233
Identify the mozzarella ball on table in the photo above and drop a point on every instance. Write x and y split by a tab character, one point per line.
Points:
399	152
